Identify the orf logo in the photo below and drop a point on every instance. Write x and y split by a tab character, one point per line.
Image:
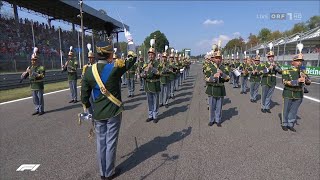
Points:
30	167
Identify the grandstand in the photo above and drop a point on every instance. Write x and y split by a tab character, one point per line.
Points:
16	40
285	47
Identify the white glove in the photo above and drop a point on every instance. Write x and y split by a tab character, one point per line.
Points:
128	36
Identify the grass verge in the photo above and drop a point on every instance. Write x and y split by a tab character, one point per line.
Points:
17	93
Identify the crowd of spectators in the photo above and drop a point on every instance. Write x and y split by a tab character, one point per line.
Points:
16	40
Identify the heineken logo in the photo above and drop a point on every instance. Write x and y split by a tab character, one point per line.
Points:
314	71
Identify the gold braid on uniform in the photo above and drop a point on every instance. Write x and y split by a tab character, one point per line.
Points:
286	82
106	49
119	63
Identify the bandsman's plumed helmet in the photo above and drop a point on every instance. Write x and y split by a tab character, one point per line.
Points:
152	49
104	48
70	51
164	54
172	53
34	55
218	53
299	57
270	53
257	58
114	53
90	53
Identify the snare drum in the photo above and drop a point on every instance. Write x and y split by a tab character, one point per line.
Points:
236	72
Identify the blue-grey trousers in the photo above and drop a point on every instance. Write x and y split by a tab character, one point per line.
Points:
124	79
107	132
177	82
244	85
254	88
37	96
153	104
172	85
266	96
181	78
130	82
164	94
73	89
215	107
185	72
141	83
235	80
289	111
231	77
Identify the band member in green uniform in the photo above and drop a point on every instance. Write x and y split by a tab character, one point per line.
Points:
293	80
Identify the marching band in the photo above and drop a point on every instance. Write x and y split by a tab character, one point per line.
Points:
160	78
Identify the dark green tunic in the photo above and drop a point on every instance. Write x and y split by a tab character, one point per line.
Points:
103	107
72	69
216	89
164	72
132	71
270	77
292	90
36	77
255	77
153	78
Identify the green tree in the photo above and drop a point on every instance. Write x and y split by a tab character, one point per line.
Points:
264	35
275	35
252	40
121	47
233	44
313	22
161	41
299	27
287	33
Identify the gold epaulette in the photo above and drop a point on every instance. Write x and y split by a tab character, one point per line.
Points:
119	63
41	68
285	72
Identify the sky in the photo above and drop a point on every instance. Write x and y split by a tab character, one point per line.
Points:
197	25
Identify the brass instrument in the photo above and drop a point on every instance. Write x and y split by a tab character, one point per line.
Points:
305	76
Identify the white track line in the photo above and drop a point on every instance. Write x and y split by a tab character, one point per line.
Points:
17	100
304	96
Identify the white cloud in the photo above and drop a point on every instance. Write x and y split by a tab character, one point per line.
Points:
236	34
206	44
224	39
212	22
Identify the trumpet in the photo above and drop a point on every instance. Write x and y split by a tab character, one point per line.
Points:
306	77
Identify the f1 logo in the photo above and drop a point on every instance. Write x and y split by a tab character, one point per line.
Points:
31	167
